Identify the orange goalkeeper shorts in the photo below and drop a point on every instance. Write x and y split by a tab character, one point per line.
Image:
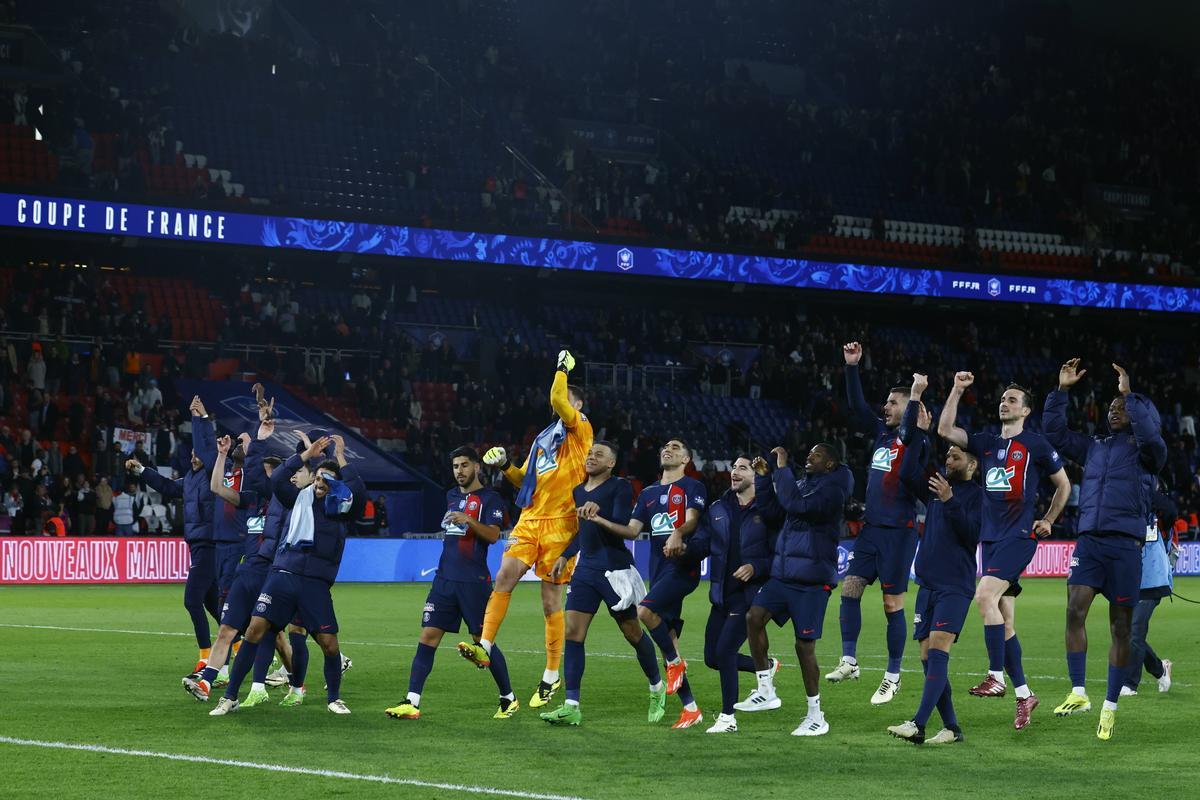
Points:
539	543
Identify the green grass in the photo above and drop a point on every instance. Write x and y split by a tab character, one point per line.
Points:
120	688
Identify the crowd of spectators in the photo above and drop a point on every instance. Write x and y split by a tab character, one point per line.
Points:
76	358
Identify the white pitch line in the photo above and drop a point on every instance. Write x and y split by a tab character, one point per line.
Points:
619	656
320	773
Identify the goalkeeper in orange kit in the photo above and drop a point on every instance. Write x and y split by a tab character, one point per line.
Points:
548	524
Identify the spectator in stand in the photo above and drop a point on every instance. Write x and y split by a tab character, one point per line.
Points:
104	505
35	372
85	507
123	513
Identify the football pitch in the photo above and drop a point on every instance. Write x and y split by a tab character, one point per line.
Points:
91	706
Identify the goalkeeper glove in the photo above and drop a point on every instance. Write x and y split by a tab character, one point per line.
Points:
496	457
566	361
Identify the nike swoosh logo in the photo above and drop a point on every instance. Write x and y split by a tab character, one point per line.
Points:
808	630
425	572
326	627
888	585
993	569
1121	599
940	624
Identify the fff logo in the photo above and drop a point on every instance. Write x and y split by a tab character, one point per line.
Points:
625	259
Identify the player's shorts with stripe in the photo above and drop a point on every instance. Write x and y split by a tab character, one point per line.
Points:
886	554
450	602
285	595
1007	558
804	604
538	543
590	590
937	610
243	595
667	591
1110	563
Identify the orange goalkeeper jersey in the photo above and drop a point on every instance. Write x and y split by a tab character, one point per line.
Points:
558	475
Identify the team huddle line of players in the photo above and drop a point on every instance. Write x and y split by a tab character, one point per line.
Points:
771	541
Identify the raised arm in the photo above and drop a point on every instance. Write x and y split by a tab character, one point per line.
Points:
1073	444
1143	418
947	427
351	478
204	435
764	494
861	414
560	397
216	481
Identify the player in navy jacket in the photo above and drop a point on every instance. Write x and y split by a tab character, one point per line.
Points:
945	564
304	570
885	546
1013	464
737	535
200	592
803	573
1114	505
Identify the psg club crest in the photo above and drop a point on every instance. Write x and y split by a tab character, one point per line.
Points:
994	287
625	259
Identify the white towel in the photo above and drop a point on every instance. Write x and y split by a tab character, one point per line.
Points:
628	585
300	526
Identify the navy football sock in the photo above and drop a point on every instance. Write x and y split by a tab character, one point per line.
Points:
575	663
1012	661
1116	678
648	660
685	692
745	663
262	661
299	659
333	676
945	707
422	665
241	668
1077	668
936	676
499	670
662	637
209	674
850	617
896	628
993	640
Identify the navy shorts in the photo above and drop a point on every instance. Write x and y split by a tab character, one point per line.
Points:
666	594
886	554
589	590
1007	558
939	611
803	603
285	595
240	602
202	571
450	602
1109	563
229	555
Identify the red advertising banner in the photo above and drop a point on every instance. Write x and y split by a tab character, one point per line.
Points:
93	560
1052	560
